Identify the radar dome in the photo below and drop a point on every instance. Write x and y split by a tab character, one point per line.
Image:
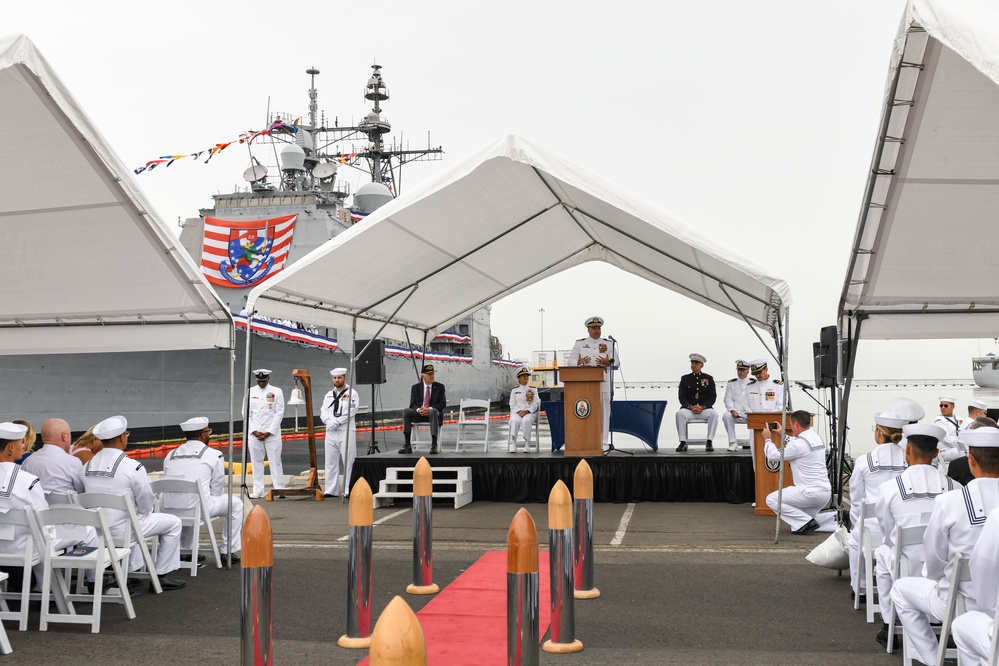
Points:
371	196
292	158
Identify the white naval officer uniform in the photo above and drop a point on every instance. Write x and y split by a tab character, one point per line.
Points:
524	399
338	412
954	527
870	472
111	471
904	501
59	471
594	347
766	395
266	414
193	460
736	400
950	448
811	490
973	631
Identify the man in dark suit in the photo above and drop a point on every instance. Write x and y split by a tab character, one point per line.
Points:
426	405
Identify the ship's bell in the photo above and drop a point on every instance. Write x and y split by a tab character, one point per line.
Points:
296	397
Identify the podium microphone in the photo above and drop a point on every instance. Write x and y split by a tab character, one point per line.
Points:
804	385
611	338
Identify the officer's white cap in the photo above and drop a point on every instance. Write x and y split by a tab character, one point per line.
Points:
947	398
698	357
977	404
927	429
889	420
594	321
907	408
110	427
338	371
758	366
197	424
262	372
10	430
987	437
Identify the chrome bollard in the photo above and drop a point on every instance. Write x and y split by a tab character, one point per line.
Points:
563	612
423	530
359	532
522	589
582	519
256	609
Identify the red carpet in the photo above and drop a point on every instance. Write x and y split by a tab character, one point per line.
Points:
466	621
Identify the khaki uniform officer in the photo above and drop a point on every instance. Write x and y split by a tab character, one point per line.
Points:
697	395
736	402
339	409
597	351
195	460
524	405
264	426
954	527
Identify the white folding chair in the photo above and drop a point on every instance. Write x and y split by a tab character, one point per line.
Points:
23	520
473	420
132	536
993	658
5	647
191	518
905	539
868	536
58	566
55	499
960	573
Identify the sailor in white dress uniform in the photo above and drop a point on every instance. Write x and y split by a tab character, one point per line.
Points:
973	630
950	447
736	402
870	471
954	527
976	408
264	426
524	405
111	471
339	409
906	501
806	453
195	460
597	351
59	471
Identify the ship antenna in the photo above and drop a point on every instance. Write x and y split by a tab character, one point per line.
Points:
313	106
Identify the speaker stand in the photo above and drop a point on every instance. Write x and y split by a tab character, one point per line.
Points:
373	446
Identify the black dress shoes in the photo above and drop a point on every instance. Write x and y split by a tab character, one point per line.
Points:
709	447
406	449
187	558
433	450
682	448
807	528
225	558
883	635
168	583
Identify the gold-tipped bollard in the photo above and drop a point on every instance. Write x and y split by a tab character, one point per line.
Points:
563	620
423	530
359	522
256	612
522	589
398	638
582	518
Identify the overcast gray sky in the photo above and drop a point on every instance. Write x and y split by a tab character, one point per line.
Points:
754	122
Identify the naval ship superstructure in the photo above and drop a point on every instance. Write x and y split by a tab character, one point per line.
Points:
285	211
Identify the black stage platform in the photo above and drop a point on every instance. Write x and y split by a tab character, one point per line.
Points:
643	477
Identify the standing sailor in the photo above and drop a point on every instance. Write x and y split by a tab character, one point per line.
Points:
339	409
766	394
597	351
524	405
264	426
736	402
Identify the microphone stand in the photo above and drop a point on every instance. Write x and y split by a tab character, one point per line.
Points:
610	418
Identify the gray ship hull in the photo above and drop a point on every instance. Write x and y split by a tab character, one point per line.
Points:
157	390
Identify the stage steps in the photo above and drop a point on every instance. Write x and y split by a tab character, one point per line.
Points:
449	483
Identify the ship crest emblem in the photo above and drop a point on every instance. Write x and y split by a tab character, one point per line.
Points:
581	408
773	466
250	257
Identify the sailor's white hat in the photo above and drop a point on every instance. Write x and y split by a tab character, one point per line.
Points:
906	408
12	431
338	371
977	404
699	358
926	429
110	428
889	420
947	398
197	424
987	437
261	373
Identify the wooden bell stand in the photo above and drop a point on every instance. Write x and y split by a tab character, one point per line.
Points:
312	481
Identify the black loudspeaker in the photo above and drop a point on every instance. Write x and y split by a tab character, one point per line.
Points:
825	362
370	365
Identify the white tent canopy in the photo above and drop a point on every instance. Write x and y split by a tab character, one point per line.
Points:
507	218
923	264
88	267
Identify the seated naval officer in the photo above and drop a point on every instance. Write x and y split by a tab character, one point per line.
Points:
870	470
427	402
697	398
111	471
736	402
58	471
806	452
903	500
264	426
195	460
973	630
338	412
597	351
954	527
524	405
